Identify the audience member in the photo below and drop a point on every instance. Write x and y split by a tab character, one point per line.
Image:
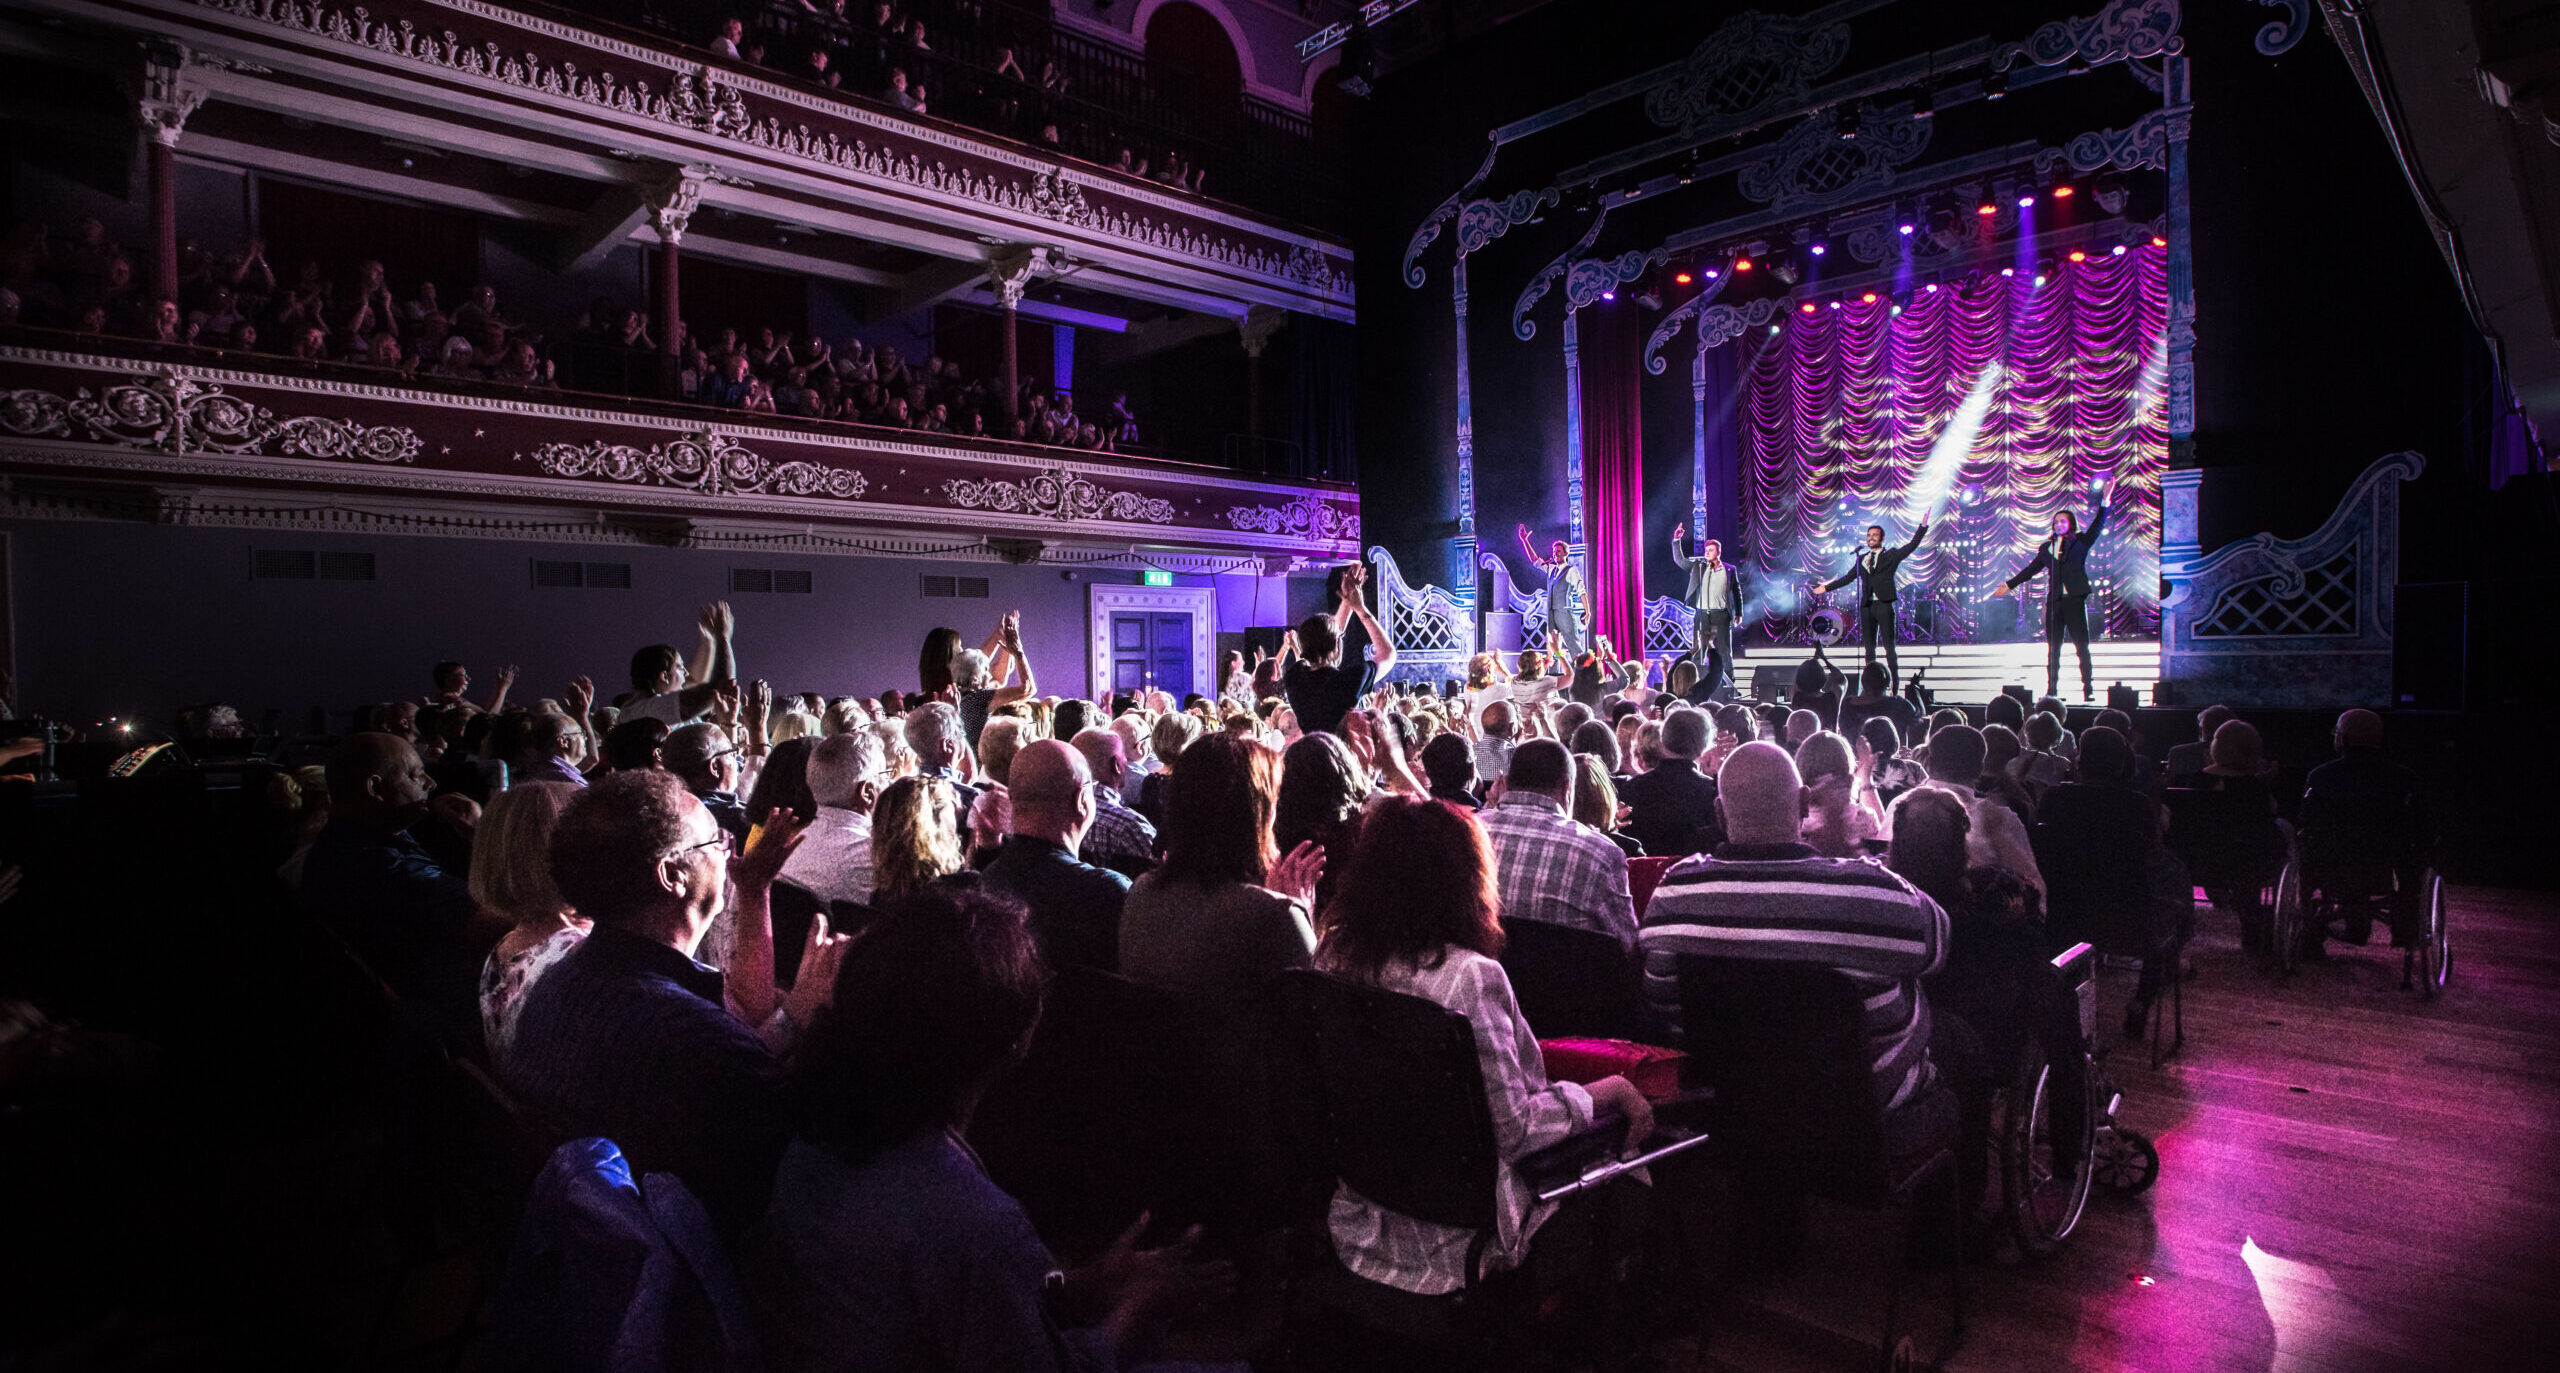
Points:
1224	911
511	880
2190	759
915	838
1546	866
2362	770
1595	803
983	676
845	775
1322	788
701	756
1121	839
1671	804
1321	686
1999	837
409	916
1075	906
1449	765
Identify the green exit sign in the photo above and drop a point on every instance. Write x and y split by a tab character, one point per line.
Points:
1151	577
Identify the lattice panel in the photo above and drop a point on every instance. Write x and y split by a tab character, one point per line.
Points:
1669	629
2326	604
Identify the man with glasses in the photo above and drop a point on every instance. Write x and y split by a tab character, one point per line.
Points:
629	1037
713	769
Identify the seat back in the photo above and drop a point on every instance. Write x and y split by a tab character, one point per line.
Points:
2097	873
2226	838
1783	1047
484	1157
2350	844
794	909
1406	1123
1572	982
1643	875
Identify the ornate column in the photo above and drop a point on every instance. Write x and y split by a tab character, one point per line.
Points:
1010	272
169	95
2179	485
1256	329
672	200
1575	544
1698	443
1462	553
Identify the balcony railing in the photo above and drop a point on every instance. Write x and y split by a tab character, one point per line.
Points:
1099	98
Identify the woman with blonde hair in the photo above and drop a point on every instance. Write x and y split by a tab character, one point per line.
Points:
1842	812
1595	802
915	838
511	880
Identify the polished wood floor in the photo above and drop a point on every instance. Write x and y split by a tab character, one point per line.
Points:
2351	1179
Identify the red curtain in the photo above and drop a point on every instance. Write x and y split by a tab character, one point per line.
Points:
1613	471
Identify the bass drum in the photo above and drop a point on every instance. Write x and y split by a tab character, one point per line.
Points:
1827	626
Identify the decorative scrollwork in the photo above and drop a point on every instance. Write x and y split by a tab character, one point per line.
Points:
2279	35
2145	143
2289	601
1058	494
1718	324
1308	517
1525	328
713	464
2124	30
1813	166
1669	328
700	99
1591	278
1670	628
1482	221
1752	63
1425	233
173	413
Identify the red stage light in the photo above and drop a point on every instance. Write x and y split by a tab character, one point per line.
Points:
1988	210
1868	299
1808	307
1680	279
1742	264
2061	192
2159	243
2079	256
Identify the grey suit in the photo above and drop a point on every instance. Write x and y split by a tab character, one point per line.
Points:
1716	610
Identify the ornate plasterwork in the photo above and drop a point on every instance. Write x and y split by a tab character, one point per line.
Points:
2143	144
168	413
1718	325
171	93
1752	63
1058	494
1482	221
1525	328
2124	30
2279	35
1308	517
1813	166
704	100
1592	278
713	464
1427	232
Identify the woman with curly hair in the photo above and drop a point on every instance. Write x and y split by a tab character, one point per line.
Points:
915	838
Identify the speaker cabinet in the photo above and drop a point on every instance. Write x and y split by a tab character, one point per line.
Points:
2430	645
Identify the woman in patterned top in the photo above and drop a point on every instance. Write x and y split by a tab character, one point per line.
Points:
511	879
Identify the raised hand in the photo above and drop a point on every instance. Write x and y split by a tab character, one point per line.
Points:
769	846
1296	875
815	983
1680	532
759	700
581	699
506	678
2000	590
725	704
727	620
708	621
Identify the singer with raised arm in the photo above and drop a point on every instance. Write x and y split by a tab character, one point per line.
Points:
1568	600
2066	603
1715	605
1874	573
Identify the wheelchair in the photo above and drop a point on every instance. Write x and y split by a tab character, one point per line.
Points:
2042	1205
2352	861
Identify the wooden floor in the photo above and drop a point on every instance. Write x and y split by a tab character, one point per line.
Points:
2351	1179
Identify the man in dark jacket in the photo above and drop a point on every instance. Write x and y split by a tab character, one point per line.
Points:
1876	568
1672	806
1075	906
2066	609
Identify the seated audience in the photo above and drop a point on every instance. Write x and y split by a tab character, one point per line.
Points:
2192	758
2241	769
934	735
1595	803
511	879
1418	914
1765	895
1841	810
628	1037
1121	839
1672	805
701	757
845	776
783	784
886	1245
1074	906
1545	865
1223	911
916	838
409	916
1494	745
1449	765
1999	836
2362	769
554	745
632	745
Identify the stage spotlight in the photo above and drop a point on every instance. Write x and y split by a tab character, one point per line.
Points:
1808	307
2158	242
1906	229
1742	264
2062	193
1931	288
1868	299
2118	250
1995	86
1680	278
1817	250
2039	278
1773	330
1835	305
1608	295
1986	208
2008	271
1711	274
2026	201
2079	256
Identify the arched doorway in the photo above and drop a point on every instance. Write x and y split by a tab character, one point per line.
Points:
1193	65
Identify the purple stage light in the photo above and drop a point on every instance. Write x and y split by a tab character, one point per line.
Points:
2025	201
1817	250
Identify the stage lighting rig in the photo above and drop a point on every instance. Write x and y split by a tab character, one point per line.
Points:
1848	122
1995	85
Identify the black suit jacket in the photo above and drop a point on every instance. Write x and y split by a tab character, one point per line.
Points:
1696	567
1075	906
1672	809
2069	559
1877	582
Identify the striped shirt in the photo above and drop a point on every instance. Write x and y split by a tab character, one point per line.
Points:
1548	866
1782	903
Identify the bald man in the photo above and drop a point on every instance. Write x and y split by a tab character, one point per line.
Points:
2362	770
410	916
1765	895
1075	906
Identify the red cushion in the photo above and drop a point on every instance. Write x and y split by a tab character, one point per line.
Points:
1655	1071
1643	875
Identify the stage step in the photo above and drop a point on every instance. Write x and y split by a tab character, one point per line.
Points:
1975	672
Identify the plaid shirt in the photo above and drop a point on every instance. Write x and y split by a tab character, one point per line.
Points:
1548	867
1119	834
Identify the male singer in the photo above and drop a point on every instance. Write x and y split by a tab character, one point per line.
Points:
2066	603
1874	574
1568	600
1715	603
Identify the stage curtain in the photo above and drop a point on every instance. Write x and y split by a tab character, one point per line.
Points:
1613	470
1841	412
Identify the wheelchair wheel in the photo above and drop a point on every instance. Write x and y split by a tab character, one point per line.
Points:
2043	1208
2124	1161
2288	917
2435	948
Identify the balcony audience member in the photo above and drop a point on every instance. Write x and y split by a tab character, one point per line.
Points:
628	1037
1224	911
846	774
1672	804
887	1246
898	94
915	839
1765	895
724	40
511	880
1417	913
1546	865
815	68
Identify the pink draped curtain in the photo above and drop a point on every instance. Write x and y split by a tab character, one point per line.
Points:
1613	471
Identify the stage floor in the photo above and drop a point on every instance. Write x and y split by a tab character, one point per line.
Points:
1976	672
2351	1179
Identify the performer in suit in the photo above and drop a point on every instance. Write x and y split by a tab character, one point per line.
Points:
1715	600
2066	604
1874	573
1568	600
